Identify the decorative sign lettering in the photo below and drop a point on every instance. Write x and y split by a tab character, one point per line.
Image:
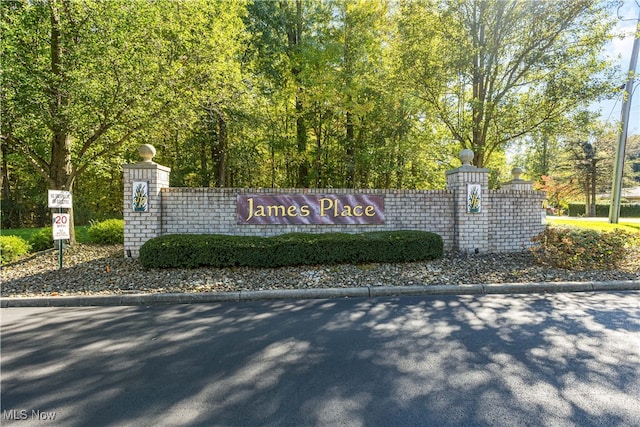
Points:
474	198
310	209
60	226
59	199
140	196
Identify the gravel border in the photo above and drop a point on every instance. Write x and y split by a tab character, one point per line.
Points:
92	270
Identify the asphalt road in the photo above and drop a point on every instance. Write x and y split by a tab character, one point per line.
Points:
471	360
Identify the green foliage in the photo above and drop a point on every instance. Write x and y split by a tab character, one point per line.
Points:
83	80
98	192
12	247
108	232
631	210
190	251
42	239
314	93
453	49
567	168
27	233
583	249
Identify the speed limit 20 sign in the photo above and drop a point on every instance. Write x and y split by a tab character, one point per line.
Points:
60	226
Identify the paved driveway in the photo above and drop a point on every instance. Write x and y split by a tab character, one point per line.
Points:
488	360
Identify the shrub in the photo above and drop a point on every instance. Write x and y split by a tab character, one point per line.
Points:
627	210
110	231
12	247
41	240
583	249
188	251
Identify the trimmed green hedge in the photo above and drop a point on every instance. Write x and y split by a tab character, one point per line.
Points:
214	250
627	210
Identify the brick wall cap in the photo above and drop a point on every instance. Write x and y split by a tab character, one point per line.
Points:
467	168
145	165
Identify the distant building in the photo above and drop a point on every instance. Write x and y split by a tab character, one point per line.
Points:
632	194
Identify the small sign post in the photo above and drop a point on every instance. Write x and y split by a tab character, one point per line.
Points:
60	223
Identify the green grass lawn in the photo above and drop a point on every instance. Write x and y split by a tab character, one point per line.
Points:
26	233
632	227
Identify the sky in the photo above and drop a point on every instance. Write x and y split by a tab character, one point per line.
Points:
620	51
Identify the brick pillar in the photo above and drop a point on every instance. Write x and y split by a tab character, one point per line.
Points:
143	215
470	186
517	184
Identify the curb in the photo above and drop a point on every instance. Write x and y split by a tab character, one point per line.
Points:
323	293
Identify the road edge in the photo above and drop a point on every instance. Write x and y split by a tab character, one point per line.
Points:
319	293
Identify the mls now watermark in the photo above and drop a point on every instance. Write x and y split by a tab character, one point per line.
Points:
24	414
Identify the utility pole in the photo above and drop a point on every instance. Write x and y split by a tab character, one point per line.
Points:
618	166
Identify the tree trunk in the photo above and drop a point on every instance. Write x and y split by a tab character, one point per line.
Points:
222	148
545	148
587	195
478	103
205	178
294	37
61	175
301	139
318	159
350	151
10	215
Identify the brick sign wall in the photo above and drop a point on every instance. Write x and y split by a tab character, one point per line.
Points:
224	211
491	221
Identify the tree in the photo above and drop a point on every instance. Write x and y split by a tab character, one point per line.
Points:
279	41
495	70
558	194
360	29
81	79
543	150
333	93
584	158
